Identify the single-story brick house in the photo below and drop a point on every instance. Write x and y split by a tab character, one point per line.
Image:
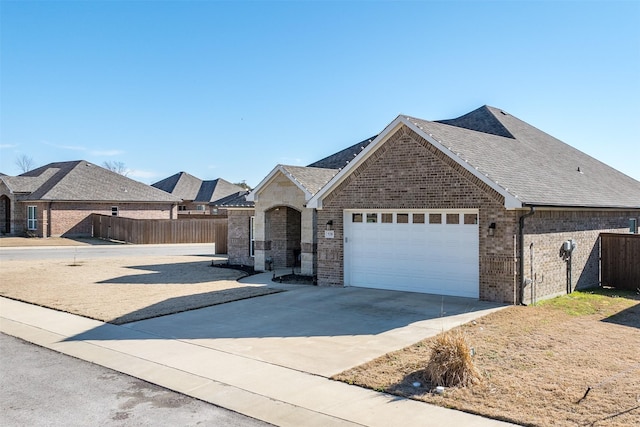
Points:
59	198
198	196
483	206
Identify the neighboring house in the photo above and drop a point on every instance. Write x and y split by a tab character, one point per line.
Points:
59	198
197	196
479	206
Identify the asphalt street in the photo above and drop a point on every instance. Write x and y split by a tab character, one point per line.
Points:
41	387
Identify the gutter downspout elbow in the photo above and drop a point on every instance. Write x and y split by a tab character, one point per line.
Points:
532	210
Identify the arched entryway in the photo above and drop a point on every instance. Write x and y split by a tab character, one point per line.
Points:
283	228
5	214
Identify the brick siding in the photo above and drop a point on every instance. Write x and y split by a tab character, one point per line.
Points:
407	172
548	229
239	236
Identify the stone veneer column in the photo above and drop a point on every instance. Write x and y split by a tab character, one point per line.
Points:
308	242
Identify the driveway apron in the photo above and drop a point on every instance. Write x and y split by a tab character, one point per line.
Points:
318	330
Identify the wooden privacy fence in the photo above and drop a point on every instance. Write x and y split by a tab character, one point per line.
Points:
620	260
157	231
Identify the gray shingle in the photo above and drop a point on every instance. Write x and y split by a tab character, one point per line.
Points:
84	181
312	179
343	157
234	200
530	164
182	185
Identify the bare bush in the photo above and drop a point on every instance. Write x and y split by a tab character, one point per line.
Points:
451	361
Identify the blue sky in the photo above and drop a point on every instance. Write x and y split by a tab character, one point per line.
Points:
230	89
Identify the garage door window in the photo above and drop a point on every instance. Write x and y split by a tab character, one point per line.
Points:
403	218
418	218
435	218
372	217
470	219
453	219
356	217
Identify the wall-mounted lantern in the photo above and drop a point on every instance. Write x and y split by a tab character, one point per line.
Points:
492	228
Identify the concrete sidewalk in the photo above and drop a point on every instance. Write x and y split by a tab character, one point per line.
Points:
259	389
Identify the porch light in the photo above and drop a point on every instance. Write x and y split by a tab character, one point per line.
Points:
329	225
492	228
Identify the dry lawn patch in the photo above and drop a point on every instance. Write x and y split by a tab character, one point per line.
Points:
536	363
121	290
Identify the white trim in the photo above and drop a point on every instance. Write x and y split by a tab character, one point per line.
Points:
253	195
510	201
252	236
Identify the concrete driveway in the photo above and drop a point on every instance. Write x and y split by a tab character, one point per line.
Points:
318	330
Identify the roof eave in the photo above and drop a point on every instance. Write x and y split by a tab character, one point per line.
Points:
586	207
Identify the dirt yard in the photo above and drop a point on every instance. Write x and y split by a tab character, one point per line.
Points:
537	364
122	290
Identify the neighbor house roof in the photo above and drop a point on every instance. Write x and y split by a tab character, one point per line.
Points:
190	188
82	181
524	164
182	185
237	200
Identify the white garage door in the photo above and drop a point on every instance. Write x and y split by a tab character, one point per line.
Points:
419	251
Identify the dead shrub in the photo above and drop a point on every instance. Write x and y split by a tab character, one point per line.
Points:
451	363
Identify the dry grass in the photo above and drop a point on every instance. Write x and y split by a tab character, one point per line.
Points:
536	363
122	290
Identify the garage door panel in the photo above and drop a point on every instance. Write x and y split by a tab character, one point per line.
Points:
430	258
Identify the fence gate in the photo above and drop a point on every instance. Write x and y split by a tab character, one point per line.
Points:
620	260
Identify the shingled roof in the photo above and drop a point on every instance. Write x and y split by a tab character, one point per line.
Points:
237	200
526	165
530	164
342	157
182	185
188	187
82	181
311	179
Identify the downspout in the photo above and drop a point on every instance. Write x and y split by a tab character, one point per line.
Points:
532	210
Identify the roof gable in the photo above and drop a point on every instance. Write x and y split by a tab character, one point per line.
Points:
308	180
